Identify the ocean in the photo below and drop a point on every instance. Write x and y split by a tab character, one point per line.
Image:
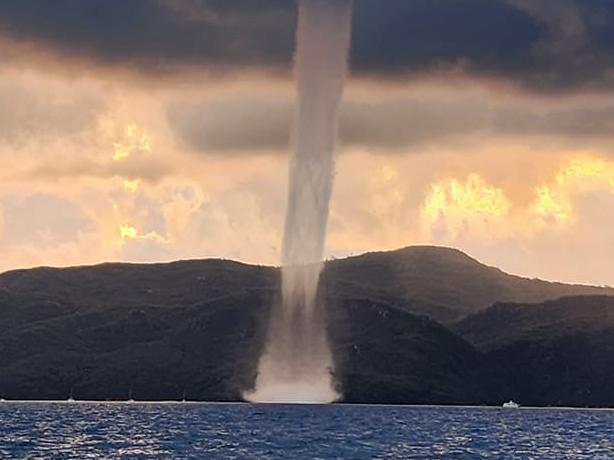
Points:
42	430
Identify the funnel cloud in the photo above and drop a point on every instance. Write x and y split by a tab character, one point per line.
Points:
297	362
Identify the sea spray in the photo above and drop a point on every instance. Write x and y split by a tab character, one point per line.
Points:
296	365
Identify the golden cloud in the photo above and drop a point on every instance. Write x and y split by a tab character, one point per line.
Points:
134	142
473	207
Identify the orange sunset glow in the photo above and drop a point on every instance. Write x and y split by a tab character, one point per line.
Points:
109	161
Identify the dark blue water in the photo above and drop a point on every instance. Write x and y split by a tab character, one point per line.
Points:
209	431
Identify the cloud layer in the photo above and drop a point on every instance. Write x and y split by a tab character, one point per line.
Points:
395	120
542	45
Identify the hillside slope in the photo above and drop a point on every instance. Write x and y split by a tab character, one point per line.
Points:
442	283
444	278
560	352
198	327
210	352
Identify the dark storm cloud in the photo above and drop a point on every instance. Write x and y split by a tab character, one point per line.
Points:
546	45
157	34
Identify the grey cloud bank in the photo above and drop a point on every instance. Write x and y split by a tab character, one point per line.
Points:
244	125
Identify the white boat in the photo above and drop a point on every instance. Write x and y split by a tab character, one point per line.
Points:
511	405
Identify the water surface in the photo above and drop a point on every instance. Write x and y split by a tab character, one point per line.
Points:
243	431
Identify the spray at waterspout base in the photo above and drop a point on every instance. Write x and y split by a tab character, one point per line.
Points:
296	366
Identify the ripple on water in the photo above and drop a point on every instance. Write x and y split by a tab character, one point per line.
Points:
107	430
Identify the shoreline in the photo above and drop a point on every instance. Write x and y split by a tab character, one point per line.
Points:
210	403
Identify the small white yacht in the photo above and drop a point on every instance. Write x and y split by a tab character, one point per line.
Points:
511	405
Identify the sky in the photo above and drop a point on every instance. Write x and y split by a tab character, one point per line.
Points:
155	130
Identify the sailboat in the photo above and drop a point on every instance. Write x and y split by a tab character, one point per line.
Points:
130	399
71	399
